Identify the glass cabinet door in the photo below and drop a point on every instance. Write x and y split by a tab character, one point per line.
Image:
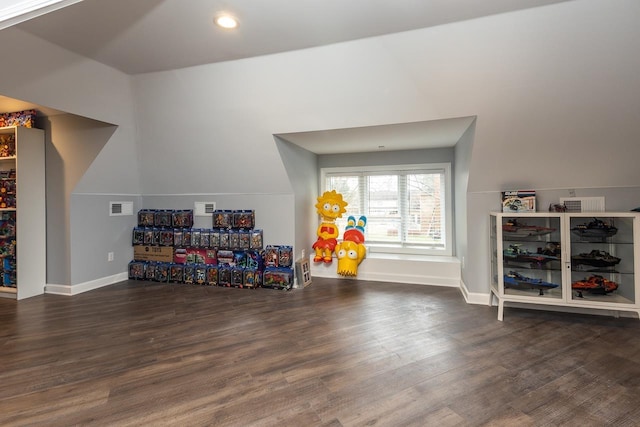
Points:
532	256
602	259
494	254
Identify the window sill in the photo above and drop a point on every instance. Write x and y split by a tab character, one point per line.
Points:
417	251
411	257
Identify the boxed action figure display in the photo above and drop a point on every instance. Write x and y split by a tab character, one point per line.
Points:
277	278
168	249
518	201
162	272
212	275
137	270
176	273
222	218
243	219
182	218
146	217
162	218
200	277
224	275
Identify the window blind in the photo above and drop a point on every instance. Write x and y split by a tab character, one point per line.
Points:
405	207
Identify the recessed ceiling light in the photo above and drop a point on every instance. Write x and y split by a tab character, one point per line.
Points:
226	21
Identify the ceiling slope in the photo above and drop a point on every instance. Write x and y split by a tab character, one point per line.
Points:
144	36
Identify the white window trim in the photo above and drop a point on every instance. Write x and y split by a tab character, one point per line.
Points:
422	167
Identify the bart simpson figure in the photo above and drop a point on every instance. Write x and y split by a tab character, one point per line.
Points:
330	206
351	251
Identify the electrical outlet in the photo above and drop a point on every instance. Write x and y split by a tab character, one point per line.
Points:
110	256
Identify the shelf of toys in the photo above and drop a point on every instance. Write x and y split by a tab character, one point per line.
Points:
7	213
8	251
22	210
167	248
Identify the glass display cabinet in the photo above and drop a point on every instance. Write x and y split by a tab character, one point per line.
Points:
584	260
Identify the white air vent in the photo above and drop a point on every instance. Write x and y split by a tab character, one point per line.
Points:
583	204
120	208
204	208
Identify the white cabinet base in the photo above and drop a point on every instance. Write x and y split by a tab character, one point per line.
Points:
501	303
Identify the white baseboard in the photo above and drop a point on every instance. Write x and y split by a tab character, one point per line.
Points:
393	277
474	297
69	290
427	270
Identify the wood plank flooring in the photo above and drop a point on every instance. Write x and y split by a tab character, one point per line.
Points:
338	353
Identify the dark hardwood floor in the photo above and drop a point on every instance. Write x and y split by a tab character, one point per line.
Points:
338	353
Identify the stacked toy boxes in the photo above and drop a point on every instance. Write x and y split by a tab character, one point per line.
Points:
240	255
153	242
25	118
8	249
168	249
278	272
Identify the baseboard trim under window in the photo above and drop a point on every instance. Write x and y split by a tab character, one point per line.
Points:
400	268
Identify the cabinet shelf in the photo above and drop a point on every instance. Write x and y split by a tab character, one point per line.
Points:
8	292
528	293
565	259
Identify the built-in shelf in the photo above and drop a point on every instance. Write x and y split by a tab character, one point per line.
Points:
23	244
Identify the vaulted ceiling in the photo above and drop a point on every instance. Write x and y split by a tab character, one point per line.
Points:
144	36
154	35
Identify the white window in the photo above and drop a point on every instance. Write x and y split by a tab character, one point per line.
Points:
408	207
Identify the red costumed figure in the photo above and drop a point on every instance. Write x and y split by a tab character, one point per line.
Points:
330	206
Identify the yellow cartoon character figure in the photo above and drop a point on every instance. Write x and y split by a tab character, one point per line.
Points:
351	251
330	206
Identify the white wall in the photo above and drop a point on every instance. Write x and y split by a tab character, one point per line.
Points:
302	169
93	235
565	96
462	155
70	140
84	162
266	206
555	89
44	74
386	158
